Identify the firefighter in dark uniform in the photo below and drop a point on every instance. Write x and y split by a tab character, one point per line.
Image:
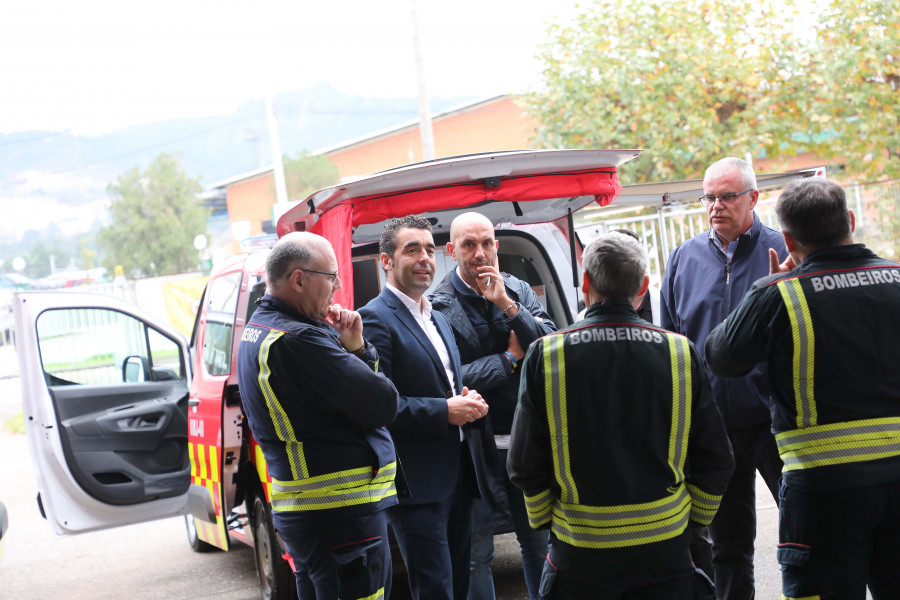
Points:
318	408
828	328
617	442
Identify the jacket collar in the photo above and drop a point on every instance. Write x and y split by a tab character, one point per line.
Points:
745	240
610	307
273	303
841	252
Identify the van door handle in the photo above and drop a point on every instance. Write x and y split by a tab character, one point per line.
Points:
193	401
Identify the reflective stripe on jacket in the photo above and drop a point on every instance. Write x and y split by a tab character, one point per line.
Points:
318	413
610	412
828	330
811	444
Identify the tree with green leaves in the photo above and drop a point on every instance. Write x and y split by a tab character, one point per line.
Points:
855	69
155	215
696	80
307	173
44	256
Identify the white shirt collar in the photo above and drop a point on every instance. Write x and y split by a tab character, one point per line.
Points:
422	307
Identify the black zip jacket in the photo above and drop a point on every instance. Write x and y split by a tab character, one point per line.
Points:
828	330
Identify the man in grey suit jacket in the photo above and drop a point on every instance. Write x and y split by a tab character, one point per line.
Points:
417	352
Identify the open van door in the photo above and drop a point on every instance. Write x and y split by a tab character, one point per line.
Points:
105	396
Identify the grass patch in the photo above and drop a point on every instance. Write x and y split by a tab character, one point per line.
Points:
15	424
97	360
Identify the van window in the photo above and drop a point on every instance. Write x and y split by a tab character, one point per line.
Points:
366	282
222	295
95	346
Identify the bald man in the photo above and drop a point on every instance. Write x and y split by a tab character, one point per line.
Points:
494	318
318	407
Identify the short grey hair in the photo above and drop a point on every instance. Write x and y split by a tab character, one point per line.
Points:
814	213
616	264
289	253
723	166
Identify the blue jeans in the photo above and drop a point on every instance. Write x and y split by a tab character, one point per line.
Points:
532	542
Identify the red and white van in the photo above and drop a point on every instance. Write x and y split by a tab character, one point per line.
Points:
127	421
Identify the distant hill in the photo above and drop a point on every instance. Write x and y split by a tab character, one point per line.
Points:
49	168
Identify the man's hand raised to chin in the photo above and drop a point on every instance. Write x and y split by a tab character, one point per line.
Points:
349	326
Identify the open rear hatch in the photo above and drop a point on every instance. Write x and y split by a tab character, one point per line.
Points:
519	187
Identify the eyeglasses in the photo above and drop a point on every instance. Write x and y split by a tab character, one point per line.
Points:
331	276
726	199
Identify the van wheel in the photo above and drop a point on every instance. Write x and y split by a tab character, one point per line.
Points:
197	545
276	580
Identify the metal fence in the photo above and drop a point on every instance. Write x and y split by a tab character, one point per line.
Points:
9	366
876	206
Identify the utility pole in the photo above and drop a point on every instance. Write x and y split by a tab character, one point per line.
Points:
425	129
277	159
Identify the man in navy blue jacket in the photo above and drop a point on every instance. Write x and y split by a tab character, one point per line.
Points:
417	352
318	407
706	277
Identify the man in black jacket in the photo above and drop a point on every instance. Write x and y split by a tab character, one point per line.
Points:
494	317
828	331
617	465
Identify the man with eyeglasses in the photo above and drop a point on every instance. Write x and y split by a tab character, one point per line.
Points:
828	330
318	408
706	277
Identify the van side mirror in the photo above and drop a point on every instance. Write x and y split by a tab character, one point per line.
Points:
135	369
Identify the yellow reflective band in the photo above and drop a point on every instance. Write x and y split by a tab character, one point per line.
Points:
280	421
335	490
618	526
839	443
681	403
816	597
336	480
262	471
703	505
379	595
804	351
555	395
329	499
538	508
214	464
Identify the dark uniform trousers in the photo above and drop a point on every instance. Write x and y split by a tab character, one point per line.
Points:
832	544
348	559
661	570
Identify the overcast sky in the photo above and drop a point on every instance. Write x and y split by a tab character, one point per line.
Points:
93	66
